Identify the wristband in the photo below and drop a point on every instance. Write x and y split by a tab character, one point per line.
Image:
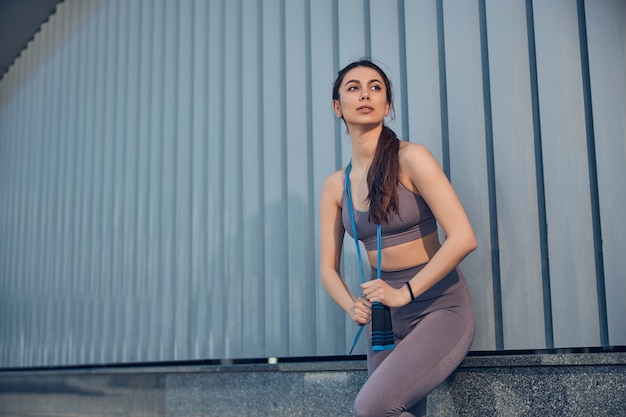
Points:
410	291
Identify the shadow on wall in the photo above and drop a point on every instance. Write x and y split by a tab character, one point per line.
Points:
30	60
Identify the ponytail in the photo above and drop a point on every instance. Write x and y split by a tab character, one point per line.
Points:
383	177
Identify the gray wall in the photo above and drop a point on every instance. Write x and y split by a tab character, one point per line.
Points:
161	163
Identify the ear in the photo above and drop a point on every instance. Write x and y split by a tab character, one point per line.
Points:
387	108
337	108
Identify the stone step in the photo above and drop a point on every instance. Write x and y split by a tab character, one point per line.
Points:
567	384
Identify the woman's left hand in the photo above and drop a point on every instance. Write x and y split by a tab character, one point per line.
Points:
378	290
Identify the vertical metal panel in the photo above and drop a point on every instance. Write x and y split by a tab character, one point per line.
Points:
154	175
120	181
520	263
169	166
253	279
144	143
422	89
98	263
6	223
105	192
300	208
12	220
275	178
83	200
215	139
233	181
77	284
566	175
161	164
69	179
29	331
606	35
539	174
467	153
55	328
131	241
593	175
28	146
196	297
353	38
326	151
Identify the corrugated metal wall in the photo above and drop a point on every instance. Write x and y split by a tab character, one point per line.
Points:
161	163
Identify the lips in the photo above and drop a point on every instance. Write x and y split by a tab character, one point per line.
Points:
365	109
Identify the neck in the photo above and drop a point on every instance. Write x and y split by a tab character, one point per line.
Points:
364	142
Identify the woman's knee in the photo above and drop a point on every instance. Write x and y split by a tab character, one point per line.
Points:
365	407
368	406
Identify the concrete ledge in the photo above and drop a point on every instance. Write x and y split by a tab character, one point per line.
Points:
535	385
586	384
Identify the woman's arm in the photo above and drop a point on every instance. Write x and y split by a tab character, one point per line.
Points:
434	187
420	166
331	241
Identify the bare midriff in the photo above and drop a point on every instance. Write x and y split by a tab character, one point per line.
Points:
407	255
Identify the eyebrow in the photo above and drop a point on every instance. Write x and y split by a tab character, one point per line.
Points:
374	80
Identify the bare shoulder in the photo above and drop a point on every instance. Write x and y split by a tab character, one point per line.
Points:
410	150
415	157
333	186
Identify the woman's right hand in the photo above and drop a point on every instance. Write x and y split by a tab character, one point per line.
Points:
362	311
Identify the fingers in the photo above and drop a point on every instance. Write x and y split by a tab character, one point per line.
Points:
375	290
378	291
362	311
365	302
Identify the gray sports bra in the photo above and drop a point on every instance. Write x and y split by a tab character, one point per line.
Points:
414	220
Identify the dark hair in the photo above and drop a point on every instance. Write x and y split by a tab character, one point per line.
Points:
383	174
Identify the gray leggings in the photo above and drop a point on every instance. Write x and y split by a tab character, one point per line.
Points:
432	336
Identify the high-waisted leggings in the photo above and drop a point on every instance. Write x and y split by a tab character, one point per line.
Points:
432	334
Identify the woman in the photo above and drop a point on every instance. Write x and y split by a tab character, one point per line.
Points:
400	186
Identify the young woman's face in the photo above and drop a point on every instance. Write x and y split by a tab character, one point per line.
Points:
362	97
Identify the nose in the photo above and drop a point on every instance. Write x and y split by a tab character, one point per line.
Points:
364	95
